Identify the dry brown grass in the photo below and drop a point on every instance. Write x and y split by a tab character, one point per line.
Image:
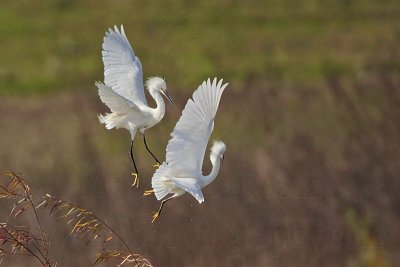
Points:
32	241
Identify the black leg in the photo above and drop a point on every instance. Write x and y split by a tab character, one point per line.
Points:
155	216
133	160
154	157
162	205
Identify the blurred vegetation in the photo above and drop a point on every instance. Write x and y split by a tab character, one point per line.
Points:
55	44
311	120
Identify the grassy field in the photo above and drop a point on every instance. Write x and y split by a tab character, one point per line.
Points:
311	120
56	44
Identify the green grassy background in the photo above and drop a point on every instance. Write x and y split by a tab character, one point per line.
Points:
311	122
55	45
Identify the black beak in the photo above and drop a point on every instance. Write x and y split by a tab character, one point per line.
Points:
167	96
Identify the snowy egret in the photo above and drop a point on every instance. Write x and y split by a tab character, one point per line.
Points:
123	91
182	170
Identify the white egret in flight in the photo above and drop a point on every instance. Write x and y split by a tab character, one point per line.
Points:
123	90
182	170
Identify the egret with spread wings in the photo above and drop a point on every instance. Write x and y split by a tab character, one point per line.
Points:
123	91
182	170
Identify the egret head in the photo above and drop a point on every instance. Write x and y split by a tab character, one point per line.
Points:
217	151
157	84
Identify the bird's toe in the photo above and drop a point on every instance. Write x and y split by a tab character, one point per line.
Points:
157	165
148	192
136	179
155	216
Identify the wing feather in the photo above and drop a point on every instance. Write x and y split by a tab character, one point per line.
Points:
122	68
186	148
114	101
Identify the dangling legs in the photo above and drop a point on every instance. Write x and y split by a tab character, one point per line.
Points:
156	214
154	157
136	173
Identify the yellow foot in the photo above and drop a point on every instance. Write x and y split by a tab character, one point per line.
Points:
157	165
136	180
155	216
148	192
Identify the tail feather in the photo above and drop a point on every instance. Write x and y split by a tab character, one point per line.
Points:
160	182
111	120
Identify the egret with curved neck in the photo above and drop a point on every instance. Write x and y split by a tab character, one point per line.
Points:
182	170
123	91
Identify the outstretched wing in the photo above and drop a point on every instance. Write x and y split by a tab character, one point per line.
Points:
122	69
186	148
114	101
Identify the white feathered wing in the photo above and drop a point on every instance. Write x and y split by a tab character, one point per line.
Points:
186	148
115	102
122	68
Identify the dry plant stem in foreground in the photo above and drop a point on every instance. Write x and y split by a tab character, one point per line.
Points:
23	240
20	241
84	222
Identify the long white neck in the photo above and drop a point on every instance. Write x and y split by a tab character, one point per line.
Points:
159	111
206	180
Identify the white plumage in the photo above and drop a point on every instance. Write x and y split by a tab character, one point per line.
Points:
123	90
122	68
182	171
